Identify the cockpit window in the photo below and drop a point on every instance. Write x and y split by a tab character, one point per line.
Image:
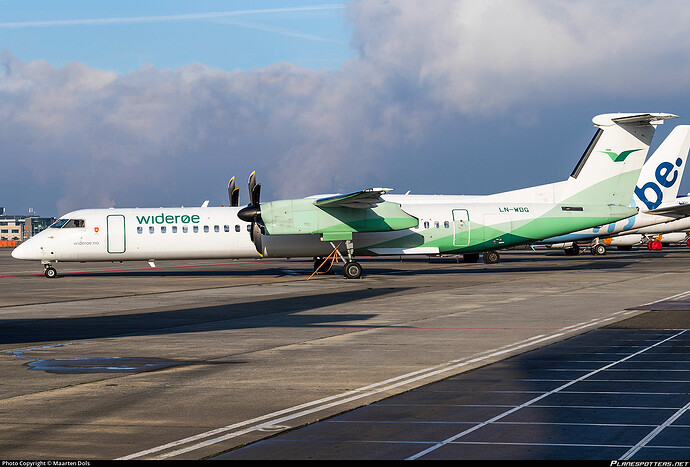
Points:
59	223
68	223
74	223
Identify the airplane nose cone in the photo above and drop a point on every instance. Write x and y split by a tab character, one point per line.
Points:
22	252
17	252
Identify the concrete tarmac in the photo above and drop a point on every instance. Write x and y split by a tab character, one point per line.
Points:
192	360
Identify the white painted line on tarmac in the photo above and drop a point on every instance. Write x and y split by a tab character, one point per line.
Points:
644	441
538	398
267	421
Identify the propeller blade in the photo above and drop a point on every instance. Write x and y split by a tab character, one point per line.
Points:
252	184
233	193
252	212
256	195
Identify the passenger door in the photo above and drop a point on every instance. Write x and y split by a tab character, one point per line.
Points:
461	227
117	242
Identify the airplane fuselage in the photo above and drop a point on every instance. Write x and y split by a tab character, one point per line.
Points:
446	225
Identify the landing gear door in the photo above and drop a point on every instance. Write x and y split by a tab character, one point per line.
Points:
461	227
116	234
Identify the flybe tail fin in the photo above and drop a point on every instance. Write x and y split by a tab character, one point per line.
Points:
611	165
661	174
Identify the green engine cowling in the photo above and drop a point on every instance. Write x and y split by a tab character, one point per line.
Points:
301	216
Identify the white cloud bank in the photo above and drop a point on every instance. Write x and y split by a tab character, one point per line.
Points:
90	138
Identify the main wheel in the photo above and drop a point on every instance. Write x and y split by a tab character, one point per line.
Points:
321	267
50	272
352	270
599	249
470	257
572	250
491	257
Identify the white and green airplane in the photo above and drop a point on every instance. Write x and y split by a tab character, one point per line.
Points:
373	222
656	194
367	222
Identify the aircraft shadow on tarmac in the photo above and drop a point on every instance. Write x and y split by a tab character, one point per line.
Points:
373	266
274	312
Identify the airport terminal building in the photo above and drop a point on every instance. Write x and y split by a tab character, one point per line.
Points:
16	229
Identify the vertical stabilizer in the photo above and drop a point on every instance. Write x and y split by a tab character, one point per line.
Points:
661	175
610	167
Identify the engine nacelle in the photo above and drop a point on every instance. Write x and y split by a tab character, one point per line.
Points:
301	216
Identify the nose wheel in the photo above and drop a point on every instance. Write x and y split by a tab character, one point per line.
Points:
49	271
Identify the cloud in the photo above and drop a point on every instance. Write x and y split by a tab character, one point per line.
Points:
428	76
485	56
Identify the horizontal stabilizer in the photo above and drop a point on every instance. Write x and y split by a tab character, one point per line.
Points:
677	209
359	200
645	118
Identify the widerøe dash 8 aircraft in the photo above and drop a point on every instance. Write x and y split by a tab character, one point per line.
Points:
372	222
368	222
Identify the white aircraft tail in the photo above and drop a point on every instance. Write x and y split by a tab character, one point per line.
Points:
610	167
661	175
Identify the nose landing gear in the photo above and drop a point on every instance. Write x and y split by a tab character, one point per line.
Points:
49	271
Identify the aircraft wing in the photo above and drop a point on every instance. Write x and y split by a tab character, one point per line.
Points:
359	199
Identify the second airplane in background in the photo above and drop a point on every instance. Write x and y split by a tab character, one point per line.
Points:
656	195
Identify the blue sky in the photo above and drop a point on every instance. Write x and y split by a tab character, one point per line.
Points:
124	35
159	103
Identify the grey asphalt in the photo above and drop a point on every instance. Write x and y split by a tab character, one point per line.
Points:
213	360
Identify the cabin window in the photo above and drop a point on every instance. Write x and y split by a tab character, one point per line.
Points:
226	228
163	229
206	228
249	227
196	229
446	224
140	229
174	229
426	224
185	229
216	228
436	225
237	228
151	229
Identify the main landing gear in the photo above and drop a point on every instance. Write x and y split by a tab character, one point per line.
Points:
351	270
573	250
598	249
491	257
